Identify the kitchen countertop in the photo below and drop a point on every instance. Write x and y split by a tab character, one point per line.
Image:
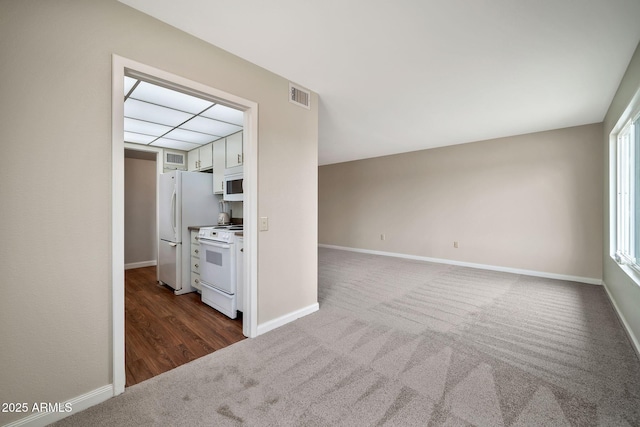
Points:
198	227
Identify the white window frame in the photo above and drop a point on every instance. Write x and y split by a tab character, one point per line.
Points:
626	245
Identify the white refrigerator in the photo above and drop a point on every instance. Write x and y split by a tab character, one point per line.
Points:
186	199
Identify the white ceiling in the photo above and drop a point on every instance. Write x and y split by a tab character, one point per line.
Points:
413	74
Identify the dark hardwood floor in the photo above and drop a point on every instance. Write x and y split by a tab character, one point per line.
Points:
163	330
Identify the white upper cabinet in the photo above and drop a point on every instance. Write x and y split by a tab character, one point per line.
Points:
201	158
206	156
234	153
218	165
193	158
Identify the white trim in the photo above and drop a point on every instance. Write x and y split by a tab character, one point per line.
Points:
635	343
588	280
250	108
250	212
287	318
80	403
141	264
117	223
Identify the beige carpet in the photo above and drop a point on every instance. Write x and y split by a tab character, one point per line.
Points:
408	343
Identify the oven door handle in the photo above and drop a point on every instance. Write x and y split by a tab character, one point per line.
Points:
215	244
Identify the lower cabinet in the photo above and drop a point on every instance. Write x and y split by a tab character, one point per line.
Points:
195	261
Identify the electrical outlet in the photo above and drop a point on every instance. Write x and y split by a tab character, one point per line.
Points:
455	245
264	223
382	237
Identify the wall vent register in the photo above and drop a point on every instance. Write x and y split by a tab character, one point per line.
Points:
299	96
174	159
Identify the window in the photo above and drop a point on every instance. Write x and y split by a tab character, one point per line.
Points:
628	195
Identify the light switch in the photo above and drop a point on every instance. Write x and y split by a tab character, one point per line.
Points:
264	223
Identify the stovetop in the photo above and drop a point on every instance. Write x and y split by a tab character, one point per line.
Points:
230	227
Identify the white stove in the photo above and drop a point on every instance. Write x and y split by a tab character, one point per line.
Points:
218	267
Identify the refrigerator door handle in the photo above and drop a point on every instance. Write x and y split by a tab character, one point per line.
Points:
173	211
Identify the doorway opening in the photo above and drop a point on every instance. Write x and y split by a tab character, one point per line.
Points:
124	67
162	330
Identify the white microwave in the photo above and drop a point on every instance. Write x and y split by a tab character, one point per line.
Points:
233	187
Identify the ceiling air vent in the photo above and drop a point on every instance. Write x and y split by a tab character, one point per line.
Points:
299	96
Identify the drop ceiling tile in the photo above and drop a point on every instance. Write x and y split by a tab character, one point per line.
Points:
153	113
225	114
212	127
169	98
139	126
190	136
138	138
176	145
128	84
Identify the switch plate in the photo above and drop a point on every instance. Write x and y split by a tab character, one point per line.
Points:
264	223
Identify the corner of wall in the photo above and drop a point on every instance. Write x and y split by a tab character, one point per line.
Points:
635	342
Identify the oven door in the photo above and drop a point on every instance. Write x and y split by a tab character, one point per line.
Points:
217	265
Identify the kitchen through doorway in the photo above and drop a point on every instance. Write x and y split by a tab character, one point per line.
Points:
155	350
162	330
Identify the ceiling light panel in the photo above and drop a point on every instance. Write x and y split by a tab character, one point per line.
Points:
212	127
225	114
128	84
153	113
138	138
139	126
169	98
176	145
189	136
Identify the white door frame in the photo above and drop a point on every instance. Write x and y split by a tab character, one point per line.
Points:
120	65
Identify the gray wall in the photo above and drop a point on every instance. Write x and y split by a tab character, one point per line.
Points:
624	291
531	202
55	125
140	240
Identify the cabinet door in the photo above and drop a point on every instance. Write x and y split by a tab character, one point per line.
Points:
195	258
234	150
206	156
193	158
218	166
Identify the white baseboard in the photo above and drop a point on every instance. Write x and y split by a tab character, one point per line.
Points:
140	264
287	318
632	337
77	404
588	280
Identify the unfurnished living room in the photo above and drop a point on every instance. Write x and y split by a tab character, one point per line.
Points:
439	213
